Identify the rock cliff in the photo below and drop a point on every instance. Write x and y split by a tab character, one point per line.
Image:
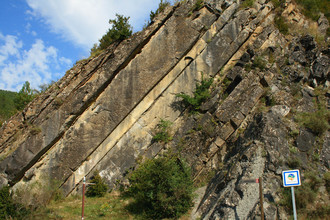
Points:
267	86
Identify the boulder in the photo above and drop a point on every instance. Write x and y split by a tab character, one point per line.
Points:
281	110
305	141
321	69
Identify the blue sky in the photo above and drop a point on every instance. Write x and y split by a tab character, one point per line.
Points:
41	39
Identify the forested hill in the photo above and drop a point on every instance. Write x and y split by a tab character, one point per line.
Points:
7	105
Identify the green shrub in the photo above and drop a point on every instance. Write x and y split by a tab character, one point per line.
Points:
7	206
200	95
198	5
120	30
98	187
294	162
163	133
304	195
282	25
161	188
313	181
276	3
247	4
313	8
163	4
9	209
317	122
259	62
38	194
320	212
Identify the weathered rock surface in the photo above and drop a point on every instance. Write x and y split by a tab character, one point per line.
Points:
102	114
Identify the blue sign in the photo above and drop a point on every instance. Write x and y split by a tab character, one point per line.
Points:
291	178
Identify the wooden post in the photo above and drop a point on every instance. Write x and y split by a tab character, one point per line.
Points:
261	199
83	199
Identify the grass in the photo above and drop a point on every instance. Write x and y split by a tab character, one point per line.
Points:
313	8
163	131
111	206
247	4
317	122
259	62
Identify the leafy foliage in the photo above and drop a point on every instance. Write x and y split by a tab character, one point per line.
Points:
8	208
163	4
201	94
24	96
163	133
43	87
161	188
121	29
282	25
11	102
98	188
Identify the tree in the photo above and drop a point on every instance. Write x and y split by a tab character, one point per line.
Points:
120	30
24	96
162	188
98	188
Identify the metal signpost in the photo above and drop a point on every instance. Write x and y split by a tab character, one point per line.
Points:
291	178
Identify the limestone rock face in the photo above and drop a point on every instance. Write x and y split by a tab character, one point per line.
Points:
259	118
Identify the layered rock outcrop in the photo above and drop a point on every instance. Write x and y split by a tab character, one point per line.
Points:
102	114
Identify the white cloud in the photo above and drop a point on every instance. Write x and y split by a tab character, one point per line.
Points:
35	65
85	22
29	31
11	47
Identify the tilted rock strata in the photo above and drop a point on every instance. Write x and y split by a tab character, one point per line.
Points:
102	115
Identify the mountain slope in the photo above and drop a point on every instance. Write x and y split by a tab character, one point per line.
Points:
269	92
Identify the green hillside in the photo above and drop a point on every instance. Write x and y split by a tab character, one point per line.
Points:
7	105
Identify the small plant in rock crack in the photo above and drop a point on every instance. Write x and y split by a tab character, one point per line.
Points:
163	131
198	5
200	95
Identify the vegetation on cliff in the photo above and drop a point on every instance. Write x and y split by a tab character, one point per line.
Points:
120	30
200	95
269	116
